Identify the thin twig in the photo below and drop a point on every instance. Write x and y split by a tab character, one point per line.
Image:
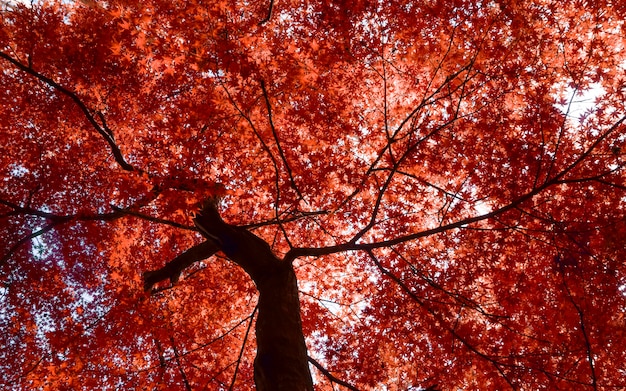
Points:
243	346
280	148
330	376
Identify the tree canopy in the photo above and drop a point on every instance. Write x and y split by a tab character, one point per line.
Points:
446	178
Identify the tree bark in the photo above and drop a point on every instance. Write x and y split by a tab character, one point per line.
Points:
281	363
172	270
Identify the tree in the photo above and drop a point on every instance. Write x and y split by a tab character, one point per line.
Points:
346	195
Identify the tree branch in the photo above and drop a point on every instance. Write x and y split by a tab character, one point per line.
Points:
351	246
280	148
174	268
583	330
179	365
241	246
104	131
330	376
152	219
283	221
26	238
243	347
269	14
556	180
497	365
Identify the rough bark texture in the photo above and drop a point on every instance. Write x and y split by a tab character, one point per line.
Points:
281	363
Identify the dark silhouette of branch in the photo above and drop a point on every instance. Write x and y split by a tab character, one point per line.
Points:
285	220
269	13
585	333
330	376
280	149
243	346
25	210
172	270
152	219
496	364
264	146
179	365
513	204
103	129
25	239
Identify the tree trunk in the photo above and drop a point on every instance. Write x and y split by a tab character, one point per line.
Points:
281	362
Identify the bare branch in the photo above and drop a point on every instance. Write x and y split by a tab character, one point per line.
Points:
280	148
104	131
269	14
590	149
264	146
174	268
26	238
286	220
243	346
330	376
179	365
152	219
498	365
585	333
353	246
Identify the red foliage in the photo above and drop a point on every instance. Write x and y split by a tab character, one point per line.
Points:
454	212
